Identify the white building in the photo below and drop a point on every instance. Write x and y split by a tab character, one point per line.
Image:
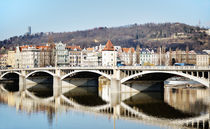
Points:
90	59
62	55
27	57
75	55
109	55
128	56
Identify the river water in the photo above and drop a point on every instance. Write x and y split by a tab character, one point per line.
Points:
94	108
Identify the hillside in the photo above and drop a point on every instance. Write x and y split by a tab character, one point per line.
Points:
147	35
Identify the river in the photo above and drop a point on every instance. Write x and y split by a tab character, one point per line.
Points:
94	108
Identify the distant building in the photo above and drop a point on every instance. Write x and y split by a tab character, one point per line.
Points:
202	59
178	56
149	57
74	55
29	30
109	55
3	60
62	55
128	56
208	32
27	57
46	56
90	58
11	58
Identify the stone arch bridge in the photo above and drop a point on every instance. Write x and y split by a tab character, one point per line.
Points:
117	75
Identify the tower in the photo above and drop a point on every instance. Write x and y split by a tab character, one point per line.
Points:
29	30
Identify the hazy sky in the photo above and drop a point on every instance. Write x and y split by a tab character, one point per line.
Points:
69	15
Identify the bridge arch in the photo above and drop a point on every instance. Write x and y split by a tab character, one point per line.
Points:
40	71
8	73
200	80
92	71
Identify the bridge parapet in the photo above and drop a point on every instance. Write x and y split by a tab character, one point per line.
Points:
122	72
171	68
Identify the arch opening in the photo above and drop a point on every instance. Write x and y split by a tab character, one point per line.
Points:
151	80
40	83
10	82
83	87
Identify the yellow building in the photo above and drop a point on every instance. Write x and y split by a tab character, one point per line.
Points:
3	61
11	58
202	60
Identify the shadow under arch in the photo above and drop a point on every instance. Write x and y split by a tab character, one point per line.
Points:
11	82
40	71
40	84
163	75
2	76
85	96
90	71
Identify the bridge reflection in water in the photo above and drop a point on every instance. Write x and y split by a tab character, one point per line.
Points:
171	108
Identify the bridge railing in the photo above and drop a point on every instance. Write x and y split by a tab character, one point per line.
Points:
167	67
120	67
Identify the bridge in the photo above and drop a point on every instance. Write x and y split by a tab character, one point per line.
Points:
118	76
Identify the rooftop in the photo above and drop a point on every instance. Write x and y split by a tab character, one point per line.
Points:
109	46
126	50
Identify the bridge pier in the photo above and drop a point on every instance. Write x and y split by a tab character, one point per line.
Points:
57	88
115	81
115	85
116	111
22	81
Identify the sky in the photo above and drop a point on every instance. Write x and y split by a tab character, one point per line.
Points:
73	15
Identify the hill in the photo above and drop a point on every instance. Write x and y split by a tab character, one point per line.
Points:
147	35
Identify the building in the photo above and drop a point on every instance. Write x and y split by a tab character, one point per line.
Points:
29	30
75	55
207	51
208	32
202	59
178	56
147	57
27	57
62	55
128	56
3	61
46	56
11	58
109	55
90	58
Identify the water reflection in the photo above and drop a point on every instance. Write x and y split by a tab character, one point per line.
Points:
87	96
27	105
193	101
153	104
41	90
173	107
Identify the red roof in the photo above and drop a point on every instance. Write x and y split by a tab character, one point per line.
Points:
22	47
126	50
42	47
109	46
73	47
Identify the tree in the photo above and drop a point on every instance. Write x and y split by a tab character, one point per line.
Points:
138	54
